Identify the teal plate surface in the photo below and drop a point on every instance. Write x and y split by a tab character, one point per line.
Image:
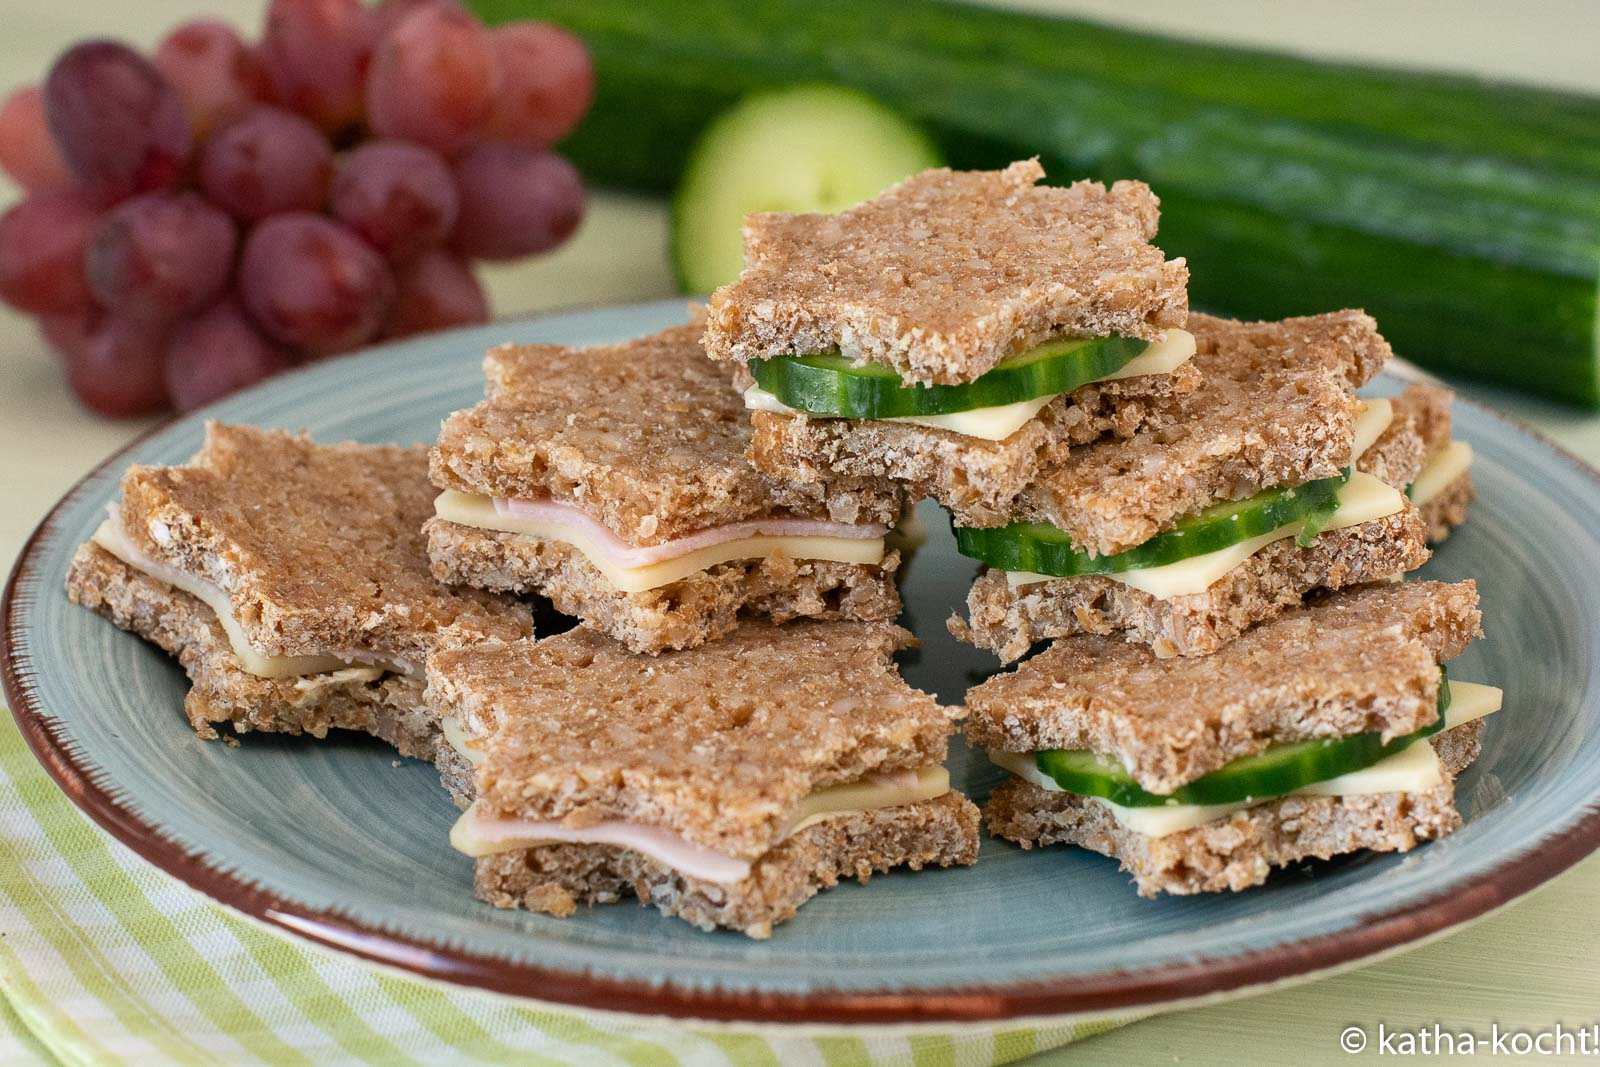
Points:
339	842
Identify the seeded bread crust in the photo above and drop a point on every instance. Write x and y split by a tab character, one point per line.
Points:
1398	455
1425	409
319	547
1275	406
1241	850
1359	661
683	614
557	878
455	774
1422	418
1449	509
645	436
390	707
1008	621
949	272
977	479
719	744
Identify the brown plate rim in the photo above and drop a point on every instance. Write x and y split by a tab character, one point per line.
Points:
1102	993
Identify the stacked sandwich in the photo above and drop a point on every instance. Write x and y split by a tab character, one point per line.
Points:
1201	516
649	750
1149	489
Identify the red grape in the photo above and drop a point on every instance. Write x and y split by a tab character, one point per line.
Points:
387	14
42	244
268	162
160	255
433	79
68	334
400	197
26	151
118	372
118	124
217	352
311	282
435	292
218	75
514	201
316	53
546	84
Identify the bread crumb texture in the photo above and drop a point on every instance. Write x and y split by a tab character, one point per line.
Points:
1364	660
682	614
976	479
318	547
390	707
949	272
719	744
1009	620
1275	406
1240	850
648	437
557	878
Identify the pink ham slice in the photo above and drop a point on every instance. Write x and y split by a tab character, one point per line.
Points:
676	852
623	555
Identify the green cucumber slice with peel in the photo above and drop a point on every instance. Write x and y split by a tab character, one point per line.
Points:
828	384
1040	548
1278	770
803	148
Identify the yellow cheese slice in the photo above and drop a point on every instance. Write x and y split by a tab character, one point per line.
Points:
1443	468
457	738
988	424
997	423
1175	348
868	794
308	690
112	540
1413	769
1375	416
472	510
1362	499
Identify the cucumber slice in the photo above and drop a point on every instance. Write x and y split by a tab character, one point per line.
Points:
1040	548
808	148
1278	770
829	385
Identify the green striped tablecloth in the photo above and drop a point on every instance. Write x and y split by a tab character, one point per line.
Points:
104	959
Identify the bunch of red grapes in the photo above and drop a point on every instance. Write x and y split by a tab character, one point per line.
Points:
200	219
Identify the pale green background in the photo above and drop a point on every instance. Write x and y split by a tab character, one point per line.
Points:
1527	966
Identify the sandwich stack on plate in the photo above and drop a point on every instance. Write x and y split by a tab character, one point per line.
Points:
679	744
1162	495
1195	526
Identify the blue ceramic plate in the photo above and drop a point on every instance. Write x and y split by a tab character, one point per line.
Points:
339	842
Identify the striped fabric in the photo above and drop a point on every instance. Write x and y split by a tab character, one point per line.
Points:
105	960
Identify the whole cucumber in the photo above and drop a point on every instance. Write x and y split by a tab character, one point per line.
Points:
1464	215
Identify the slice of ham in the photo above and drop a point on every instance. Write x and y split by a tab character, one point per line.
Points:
622	554
476	835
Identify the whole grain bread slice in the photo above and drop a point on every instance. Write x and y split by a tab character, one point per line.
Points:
1275	406
1240	850
682	614
386	705
718	744
949	272
1449	509
1009	620
645	436
1420	429
319	548
557	878
1364	660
